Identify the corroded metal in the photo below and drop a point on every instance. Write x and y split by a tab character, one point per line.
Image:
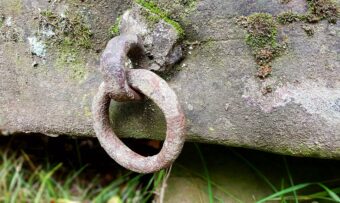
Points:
121	85
112	65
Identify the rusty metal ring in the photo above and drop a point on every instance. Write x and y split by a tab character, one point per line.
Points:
159	92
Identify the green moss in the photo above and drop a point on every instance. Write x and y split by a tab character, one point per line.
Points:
262	38
71	60
157	14
317	10
114	30
70	28
323	9
72	37
288	17
262	30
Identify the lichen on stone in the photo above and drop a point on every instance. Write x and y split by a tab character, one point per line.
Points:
70	59
71	36
38	47
9	32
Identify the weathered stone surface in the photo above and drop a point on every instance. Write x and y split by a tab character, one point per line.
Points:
51	92
161	40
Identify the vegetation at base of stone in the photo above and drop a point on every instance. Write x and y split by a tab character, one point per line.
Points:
288	194
283	180
159	14
69	28
262	38
114	30
37	174
206	174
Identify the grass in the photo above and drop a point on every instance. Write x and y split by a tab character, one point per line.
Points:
294	192
291	192
35	175
24	178
19	184
206	173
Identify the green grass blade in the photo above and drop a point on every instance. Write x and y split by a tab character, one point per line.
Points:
69	180
290	178
285	191
15	177
331	193
282	198
44	181
206	172
112	186
324	193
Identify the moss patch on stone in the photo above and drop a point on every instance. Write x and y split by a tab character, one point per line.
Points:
289	17
262	30
69	28
159	14
71	35
323	9
317	10
262	38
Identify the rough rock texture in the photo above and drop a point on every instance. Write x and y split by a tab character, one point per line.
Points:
51	91
160	39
